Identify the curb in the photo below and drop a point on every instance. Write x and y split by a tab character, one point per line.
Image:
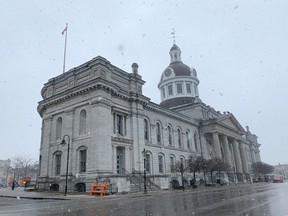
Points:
34	198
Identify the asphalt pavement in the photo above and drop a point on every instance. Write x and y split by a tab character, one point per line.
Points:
242	199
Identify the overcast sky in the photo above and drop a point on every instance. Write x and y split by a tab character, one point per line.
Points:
239	49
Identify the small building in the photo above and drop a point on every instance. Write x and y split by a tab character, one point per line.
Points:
108	123
4	171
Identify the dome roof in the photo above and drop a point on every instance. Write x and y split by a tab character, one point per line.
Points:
175	47
178	83
177	102
180	69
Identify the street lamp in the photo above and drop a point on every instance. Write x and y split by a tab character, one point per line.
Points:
63	143
182	178
144	156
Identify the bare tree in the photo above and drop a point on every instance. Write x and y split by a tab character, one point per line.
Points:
261	169
194	164
215	165
22	166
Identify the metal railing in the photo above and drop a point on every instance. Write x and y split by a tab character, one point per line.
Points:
149	181
133	178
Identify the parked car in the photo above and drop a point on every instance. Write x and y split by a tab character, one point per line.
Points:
278	180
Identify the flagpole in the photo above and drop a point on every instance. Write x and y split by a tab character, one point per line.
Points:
66	31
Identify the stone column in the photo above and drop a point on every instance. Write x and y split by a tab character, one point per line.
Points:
216	144
68	129
46	162
237	156
244	158
252	155
227	151
257	154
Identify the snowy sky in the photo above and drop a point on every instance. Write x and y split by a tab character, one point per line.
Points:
239	49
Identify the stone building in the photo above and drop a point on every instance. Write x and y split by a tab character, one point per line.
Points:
109	124
4	170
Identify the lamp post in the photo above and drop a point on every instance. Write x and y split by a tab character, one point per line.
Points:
144	156
63	143
182	178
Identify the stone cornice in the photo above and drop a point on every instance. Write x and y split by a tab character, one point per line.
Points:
93	85
156	108
97	73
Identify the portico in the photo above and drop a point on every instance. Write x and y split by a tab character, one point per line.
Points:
225	139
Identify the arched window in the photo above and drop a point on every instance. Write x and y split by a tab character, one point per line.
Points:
158	132
188	139
172	163
161	163
195	142
146	131
179	138
148	161
58	128
182	161
169	135
175	56
82	122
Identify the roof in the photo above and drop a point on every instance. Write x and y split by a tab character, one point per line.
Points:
177	101
180	69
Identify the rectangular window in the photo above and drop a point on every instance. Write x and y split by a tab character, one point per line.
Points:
160	161
146	130
119	128
83	155
170	90
179	138
57	164
179	88
188	88
119	124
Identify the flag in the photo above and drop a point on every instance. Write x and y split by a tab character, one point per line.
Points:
65	29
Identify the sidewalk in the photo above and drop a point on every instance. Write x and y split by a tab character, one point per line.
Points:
21	193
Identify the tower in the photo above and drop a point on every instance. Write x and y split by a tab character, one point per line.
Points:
179	83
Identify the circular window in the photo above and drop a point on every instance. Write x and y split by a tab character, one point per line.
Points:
168	72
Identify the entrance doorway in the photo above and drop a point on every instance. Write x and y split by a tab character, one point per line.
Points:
120	154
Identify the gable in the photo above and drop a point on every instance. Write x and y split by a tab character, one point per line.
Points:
231	122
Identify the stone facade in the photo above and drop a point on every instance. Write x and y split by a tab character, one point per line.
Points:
108	123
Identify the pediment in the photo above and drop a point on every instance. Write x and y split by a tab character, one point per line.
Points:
229	121
226	124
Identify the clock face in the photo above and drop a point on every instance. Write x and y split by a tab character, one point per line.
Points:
167	72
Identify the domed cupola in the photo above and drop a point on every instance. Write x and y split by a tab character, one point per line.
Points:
179	83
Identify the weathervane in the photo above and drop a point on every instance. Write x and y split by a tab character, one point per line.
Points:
173	35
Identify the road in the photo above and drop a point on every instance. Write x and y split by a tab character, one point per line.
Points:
251	199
